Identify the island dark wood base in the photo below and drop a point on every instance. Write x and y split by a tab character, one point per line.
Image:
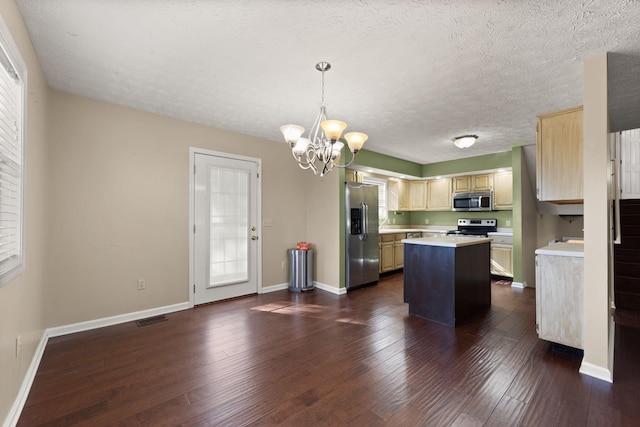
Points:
447	284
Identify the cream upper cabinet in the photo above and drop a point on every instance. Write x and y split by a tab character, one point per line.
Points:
439	194
403	195
465	183
503	190
417	195
393	195
462	184
398	194
481	182
559	156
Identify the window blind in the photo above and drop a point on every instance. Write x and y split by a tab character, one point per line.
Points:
382	194
11	167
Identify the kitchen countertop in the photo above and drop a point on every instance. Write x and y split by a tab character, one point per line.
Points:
562	249
447	241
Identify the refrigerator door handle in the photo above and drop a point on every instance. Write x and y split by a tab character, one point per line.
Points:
365	221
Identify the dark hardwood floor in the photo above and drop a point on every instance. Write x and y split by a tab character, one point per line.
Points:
321	359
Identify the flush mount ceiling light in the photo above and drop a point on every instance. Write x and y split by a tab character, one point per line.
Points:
465	141
320	152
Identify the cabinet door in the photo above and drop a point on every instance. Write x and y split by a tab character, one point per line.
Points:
439	195
503	190
559	299
559	156
481	182
393	195
386	256
418	195
461	184
502	260
398	255
403	195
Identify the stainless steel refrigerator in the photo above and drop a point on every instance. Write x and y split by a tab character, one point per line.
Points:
363	253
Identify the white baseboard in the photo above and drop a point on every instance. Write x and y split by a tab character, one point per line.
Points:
318	285
25	387
274	288
115	320
332	289
595	371
27	382
518	285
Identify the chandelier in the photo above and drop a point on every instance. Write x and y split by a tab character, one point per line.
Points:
320	152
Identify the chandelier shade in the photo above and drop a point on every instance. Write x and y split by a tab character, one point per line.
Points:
322	149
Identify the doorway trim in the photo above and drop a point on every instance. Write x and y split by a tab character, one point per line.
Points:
192	155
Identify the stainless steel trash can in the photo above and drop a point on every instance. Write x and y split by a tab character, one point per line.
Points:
300	270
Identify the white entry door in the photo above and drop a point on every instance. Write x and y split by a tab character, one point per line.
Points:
226	230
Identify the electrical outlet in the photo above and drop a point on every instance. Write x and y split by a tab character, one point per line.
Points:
426	220
283	265
508	223
142	284
18	345
394	221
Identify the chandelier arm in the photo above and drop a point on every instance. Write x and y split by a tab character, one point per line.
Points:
301	163
353	157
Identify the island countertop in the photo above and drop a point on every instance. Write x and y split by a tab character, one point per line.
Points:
451	241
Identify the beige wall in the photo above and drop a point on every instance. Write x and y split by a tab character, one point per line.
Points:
22	300
552	227
118	207
323	226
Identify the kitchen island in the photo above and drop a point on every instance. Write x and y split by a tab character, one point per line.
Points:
447	279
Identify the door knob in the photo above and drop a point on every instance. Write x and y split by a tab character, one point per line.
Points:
254	237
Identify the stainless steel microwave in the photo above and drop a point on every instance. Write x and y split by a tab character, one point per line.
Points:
472	202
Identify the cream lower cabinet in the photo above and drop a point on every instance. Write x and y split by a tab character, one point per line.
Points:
559	299
391	251
502	260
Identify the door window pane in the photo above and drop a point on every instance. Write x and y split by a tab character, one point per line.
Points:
228	230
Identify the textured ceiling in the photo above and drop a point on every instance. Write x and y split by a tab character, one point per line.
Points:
410	74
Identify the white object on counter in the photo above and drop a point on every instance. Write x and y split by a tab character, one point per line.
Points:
562	249
448	241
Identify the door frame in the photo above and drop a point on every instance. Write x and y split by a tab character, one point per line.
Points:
192	157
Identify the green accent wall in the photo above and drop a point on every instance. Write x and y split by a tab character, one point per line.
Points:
469	164
392	164
399	218
451	218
